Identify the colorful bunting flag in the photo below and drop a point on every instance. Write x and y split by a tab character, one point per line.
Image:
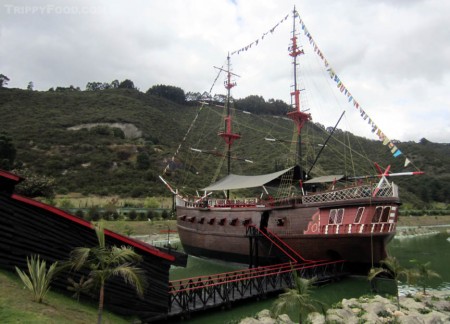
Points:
340	85
271	30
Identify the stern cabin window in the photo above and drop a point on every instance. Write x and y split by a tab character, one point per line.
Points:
385	214
377	215
336	216
332	217
359	214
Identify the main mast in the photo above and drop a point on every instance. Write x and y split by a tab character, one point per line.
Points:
228	136
298	116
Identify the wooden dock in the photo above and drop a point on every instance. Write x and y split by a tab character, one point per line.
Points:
218	290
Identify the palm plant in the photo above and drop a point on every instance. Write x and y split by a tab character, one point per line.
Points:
81	287
393	268
38	278
422	274
105	262
297	298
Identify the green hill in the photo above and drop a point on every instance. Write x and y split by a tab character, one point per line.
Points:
118	141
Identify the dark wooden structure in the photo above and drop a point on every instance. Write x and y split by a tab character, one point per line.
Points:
206	292
30	227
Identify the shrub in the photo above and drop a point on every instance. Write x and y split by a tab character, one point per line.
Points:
150	214
132	215
79	213
38	278
151	202
142	217
94	214
65	204
165	214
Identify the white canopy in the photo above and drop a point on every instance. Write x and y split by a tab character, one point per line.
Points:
234	181
324	179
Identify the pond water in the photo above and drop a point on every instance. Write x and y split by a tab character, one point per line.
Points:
428	248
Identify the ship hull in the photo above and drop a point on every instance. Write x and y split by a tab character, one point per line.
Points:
355	231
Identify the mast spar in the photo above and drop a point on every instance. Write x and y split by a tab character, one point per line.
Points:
297	115
228	135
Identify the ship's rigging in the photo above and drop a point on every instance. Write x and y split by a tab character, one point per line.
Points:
299	114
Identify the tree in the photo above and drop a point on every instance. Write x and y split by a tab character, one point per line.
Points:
393	269
172	93
143	161
115	84
193	96
297	298
30	86
105	262
422	274
7	152
35	185
38	278
126	84
3	80
93	86
254	104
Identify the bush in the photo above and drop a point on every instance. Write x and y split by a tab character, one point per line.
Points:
132	215
142	217
165	214
151	202
38	278
65	204
150	214
94	214
79	213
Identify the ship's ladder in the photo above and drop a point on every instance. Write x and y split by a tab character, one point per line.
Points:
282	246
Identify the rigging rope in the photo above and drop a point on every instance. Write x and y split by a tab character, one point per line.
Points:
192	124
256	42
386	141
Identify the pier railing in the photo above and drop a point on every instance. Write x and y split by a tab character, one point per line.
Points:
199	293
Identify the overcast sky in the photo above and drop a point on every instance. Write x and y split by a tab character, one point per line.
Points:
392	55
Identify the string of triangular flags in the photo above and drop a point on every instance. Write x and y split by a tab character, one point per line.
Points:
256	42
375	129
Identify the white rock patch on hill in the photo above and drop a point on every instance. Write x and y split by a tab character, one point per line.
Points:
130	130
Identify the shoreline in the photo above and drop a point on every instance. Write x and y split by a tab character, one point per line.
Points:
434	307
404	232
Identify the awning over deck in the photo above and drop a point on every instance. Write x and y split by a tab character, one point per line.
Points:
234	181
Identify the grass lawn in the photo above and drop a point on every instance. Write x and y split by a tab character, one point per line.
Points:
17	306
140	227
423	220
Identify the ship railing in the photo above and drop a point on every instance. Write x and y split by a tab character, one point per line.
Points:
221	203
352	193
330	229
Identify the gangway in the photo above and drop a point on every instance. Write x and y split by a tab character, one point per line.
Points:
254	233
205	292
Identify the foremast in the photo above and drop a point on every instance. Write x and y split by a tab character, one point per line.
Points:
227	134
297	115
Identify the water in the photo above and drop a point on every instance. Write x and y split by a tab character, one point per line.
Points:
431	248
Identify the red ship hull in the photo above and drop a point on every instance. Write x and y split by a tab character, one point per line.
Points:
354	230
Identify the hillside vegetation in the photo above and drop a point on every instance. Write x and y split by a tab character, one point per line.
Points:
118	141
